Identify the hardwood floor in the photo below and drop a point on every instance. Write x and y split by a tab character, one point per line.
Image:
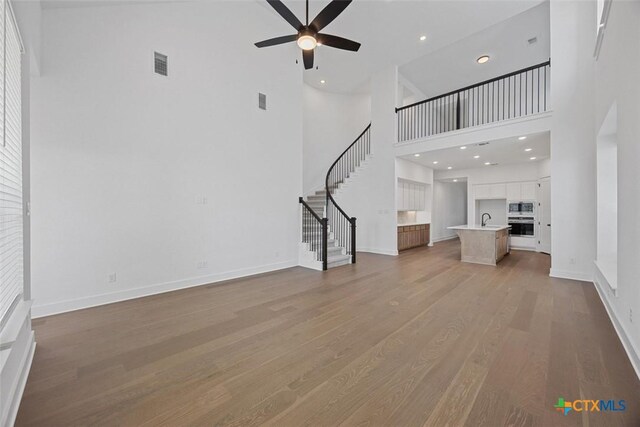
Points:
418	339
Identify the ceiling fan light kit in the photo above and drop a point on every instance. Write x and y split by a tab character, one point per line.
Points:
309	36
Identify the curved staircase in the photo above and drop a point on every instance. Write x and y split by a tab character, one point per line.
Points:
328	237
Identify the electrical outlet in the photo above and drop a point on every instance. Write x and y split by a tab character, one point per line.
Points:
202	264
630	315
572	260
113	278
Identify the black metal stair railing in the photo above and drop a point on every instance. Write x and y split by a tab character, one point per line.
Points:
509	96
314	232
342	225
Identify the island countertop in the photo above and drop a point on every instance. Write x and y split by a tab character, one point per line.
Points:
479	227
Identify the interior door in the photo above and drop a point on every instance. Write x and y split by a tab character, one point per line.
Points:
544	216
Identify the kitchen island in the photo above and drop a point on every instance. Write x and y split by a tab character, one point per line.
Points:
483	245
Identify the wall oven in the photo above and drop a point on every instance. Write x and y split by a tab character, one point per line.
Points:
522	226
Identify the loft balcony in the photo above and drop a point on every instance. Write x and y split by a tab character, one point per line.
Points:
516	95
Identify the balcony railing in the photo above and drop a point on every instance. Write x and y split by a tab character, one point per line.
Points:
518	94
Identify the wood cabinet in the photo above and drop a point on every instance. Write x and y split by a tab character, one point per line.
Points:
412	236
502	244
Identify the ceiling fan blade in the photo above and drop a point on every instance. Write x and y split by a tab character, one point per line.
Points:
328	14
286	14
277	40
307	57
338	42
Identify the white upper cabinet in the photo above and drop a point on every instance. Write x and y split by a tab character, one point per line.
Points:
520	191
490	191
498	191
528	191
410	196
482	191
513	191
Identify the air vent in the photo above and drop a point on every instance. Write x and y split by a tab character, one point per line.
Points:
483	143
533	40
160	64
262	101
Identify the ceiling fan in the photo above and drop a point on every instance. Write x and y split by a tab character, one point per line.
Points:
309	36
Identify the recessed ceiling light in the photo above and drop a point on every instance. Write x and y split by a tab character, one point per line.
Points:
476	157
423	38
532	158
487	163
455	180
322	81
449	167
483	59
435	162
522	138
464	147
416	155
528	149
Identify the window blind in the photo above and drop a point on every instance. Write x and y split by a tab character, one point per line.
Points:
11	206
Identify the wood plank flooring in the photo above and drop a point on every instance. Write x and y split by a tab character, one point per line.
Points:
415	340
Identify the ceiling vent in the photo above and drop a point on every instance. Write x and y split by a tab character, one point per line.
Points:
532	40
160	64
262	101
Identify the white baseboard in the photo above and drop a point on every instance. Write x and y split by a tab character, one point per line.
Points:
522	248
442	239
109	298
632	352
21	382
573	275
378	251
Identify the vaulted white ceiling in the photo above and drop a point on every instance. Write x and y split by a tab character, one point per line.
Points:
390	31
507	43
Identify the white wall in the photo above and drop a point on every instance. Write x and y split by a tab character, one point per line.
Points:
573	159
617	71
412	171
123	159
371	195
331	122
496	208
449	208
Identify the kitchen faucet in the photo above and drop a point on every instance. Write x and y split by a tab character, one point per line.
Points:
483	221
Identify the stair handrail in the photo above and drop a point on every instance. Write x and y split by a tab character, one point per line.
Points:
314	243
330	201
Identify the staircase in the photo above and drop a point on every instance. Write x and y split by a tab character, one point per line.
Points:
328	237
336	254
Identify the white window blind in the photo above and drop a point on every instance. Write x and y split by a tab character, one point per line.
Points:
11	207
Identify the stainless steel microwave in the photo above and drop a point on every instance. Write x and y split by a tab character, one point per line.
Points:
521	208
